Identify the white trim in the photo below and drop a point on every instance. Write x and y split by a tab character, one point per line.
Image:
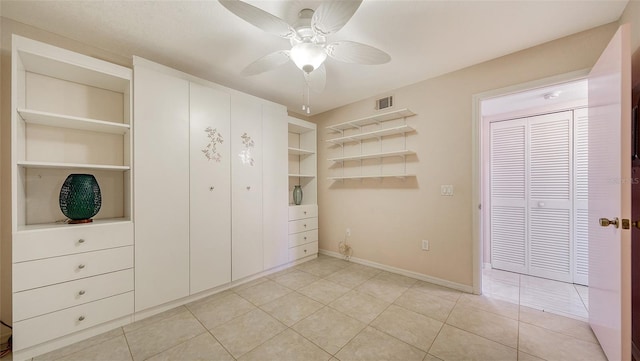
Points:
476	159
420	276
487	265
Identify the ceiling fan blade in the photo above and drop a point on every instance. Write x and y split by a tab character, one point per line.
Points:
259	18
267	62
352	52
331	16
317	79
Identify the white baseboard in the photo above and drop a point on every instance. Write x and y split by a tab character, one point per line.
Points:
404	272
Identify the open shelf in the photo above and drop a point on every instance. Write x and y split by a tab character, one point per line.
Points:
71	122
374	119
402	129
372	176
30	164
399	153
302	175
96	222
298	151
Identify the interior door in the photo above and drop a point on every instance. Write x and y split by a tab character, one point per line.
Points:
610	197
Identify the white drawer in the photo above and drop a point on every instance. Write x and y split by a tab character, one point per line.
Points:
303	225
303	211
303	251
45	272
297	239
70	239
47	327
30	303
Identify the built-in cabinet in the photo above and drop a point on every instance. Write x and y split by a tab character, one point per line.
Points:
69	114
371	147
303	218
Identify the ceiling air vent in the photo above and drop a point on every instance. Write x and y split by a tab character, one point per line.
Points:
384	103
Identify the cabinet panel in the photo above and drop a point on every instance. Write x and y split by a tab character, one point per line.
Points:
210	188
52	242
303	225
29	303
39	329
162	187
275	184
32	274
246	171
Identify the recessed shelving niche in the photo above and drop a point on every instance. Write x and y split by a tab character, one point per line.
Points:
373	147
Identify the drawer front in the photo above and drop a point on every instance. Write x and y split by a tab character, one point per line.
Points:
45	272
303	225
305	250
304	211
301	238
30	303
37	244
47	327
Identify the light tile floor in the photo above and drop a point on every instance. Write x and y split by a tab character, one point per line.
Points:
561	298
330	309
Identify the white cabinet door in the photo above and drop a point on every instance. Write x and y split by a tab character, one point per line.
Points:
210	188
161	183
275	185
246	190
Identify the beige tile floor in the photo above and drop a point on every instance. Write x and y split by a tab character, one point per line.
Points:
330	309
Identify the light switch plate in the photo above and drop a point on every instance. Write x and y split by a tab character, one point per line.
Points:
446	190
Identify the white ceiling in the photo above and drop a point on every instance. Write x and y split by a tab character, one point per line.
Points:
424	38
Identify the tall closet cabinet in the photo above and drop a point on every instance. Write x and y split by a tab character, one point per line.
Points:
211	186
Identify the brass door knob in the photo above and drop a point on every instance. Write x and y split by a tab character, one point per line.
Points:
604	222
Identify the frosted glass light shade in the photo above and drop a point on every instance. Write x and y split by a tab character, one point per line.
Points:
308	56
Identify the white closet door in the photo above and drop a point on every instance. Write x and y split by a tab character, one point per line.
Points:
275	184
161	183
581	199
210	188
550	196
508	195
246	195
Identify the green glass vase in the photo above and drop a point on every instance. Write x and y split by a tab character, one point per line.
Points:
297	195
80	198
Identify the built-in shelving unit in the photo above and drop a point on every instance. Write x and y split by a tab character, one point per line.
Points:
364	148
70	122
302	159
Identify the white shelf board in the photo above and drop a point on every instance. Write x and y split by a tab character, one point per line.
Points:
401	129
372	176
71	122
399	153
377	118
72	67
302	175
41	226
31	164
298	151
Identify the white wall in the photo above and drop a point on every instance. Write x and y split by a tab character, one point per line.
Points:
389	219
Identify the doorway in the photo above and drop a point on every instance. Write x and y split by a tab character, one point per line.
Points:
535	197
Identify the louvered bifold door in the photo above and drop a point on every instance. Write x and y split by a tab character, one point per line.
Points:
508	195
550	196
580	200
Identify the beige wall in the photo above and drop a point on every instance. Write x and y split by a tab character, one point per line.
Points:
389	218
631	15
8	27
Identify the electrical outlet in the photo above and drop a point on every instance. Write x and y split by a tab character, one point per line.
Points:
425	245
446	190
348	232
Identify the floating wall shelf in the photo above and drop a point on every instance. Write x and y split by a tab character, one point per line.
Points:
402	176
399	153
402	129
374	119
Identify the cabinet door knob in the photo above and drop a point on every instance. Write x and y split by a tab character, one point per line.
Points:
248	188
81	240
211	188
81	318
81	266
81	292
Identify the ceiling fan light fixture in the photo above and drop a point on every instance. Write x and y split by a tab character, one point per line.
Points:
308	56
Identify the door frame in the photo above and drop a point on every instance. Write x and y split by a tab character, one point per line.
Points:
479	197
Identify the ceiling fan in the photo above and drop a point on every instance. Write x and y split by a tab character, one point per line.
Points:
308	38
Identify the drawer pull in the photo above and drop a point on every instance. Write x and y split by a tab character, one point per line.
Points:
305	226
81	266
82	292
305	238
212	188
81	240
305	251
305	212
81	318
